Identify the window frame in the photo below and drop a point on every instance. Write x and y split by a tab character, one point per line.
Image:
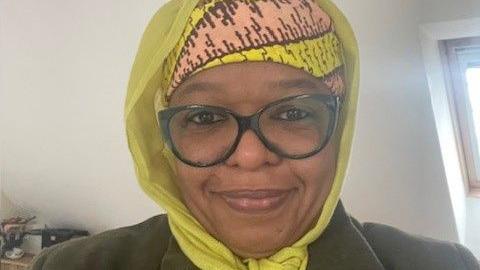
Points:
458	99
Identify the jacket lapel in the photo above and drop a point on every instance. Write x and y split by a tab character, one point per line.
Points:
174	258
342	247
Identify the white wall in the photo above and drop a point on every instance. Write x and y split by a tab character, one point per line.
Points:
473	226
455	19
65	68
447	10
396	171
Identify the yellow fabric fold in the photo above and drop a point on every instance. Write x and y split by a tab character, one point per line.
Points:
154	162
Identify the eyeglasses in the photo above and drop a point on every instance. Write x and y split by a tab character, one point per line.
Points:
294	127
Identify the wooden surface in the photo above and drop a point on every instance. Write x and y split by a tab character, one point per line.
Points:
20	264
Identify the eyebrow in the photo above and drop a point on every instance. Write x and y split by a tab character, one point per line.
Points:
306	84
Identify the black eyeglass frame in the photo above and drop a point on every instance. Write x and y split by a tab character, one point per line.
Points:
251	122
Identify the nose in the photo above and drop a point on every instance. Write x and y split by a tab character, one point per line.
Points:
251	153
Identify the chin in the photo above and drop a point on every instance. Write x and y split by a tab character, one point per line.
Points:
257	236
256	246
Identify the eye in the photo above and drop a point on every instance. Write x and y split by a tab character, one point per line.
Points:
292	114
205	117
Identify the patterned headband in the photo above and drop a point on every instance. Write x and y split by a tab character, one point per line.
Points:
297	33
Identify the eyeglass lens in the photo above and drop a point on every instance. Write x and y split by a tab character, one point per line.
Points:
295	127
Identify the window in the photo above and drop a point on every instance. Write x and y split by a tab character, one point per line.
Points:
462	69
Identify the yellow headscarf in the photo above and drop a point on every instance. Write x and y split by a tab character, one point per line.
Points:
154	162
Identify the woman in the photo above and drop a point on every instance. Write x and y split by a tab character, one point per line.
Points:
240	119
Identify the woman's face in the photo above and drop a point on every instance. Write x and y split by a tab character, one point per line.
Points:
255	202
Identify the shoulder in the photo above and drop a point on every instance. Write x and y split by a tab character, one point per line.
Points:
399	250
133	247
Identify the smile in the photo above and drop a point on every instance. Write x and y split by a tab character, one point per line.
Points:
255	201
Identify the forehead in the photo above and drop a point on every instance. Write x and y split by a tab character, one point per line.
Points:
246	84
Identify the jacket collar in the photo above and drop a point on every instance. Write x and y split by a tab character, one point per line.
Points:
341	247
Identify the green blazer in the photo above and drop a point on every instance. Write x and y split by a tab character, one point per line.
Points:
345	244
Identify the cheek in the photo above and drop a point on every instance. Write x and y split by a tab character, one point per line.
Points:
191	182
317	172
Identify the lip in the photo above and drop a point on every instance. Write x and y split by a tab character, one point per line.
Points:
255	201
